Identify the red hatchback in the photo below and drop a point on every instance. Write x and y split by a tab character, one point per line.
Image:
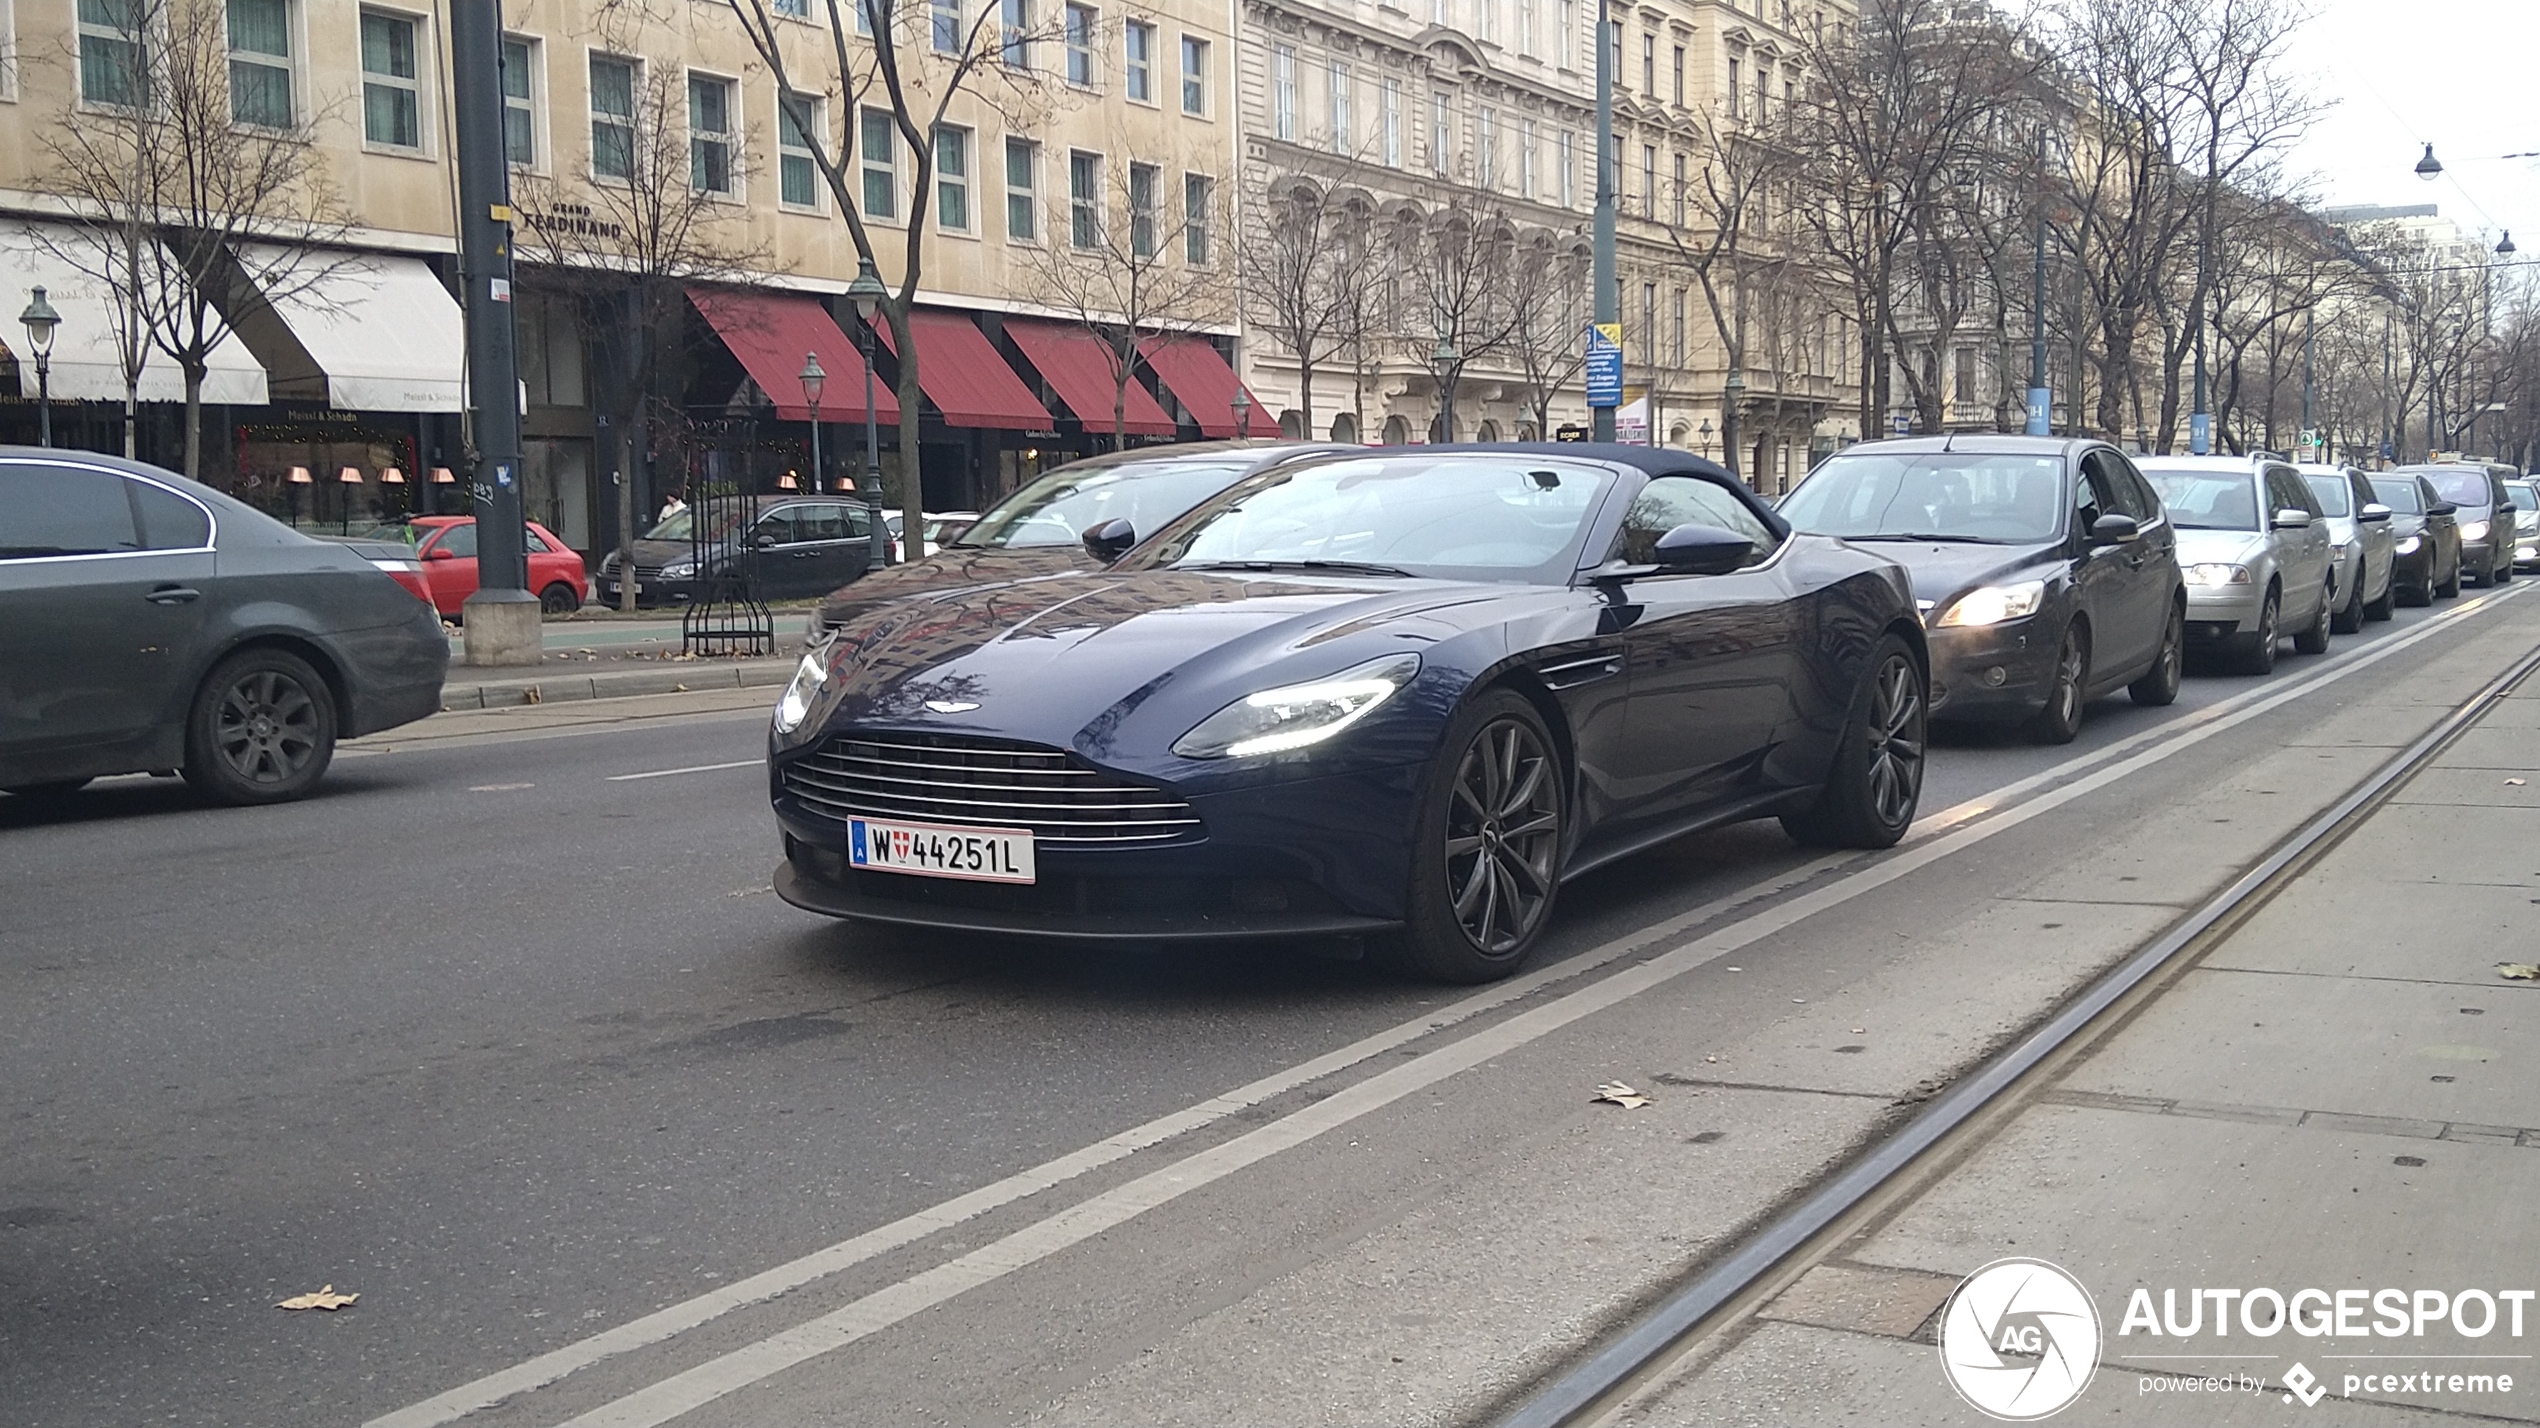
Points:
447	547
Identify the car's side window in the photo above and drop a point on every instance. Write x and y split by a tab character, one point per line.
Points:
2147	502
820	523
63	510
859	522
775	528
2109	488
1671	501
168	520
2359	491
530	542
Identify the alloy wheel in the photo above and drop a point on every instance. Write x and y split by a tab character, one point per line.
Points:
1503	836
266	727
2068	678
1896	740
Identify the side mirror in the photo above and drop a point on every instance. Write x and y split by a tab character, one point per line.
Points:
2292	519
1109	540
2443	508
1702	550
763	541
2372	512
2114	528
437	553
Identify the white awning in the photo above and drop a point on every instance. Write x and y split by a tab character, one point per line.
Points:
87	362
374	332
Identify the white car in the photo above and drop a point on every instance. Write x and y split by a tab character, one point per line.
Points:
2254	546
936	529
2361	542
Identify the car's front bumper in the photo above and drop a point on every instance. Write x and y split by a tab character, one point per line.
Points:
650	592
2219	612
2478	556
1991	671
2526	550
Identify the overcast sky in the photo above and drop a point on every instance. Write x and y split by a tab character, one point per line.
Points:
2458	74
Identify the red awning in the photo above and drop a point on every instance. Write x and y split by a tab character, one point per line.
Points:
772	332
963	376
1202	382
1079	370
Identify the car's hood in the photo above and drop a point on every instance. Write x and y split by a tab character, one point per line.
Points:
2225	547
953	569
1944	570
1066	660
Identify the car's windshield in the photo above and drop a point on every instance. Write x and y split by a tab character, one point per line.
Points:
1464	517
1948	496
2461	487
2525	496
1060	507
2399	493
682	524
2332	494
2208	500
396	531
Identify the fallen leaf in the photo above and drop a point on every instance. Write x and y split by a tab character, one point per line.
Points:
679	689
2518	971
1621	1095
533	696
326	1299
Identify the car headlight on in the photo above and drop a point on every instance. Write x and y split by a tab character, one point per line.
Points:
2408	545
1993	604
2473	530
2216	573
1297	715
809	676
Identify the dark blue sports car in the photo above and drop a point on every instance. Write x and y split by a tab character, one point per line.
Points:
1412	690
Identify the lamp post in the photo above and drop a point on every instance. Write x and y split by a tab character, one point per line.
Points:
1732	397
1241	405
1606	303
867	293
40	320
1445	358
2041	398
815	379
1706	436
2429	168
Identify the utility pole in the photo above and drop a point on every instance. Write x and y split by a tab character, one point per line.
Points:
502	616
2310	368
1609	296
2041	399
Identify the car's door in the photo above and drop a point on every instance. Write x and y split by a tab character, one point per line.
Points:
2379	543
2303	555
833	557
449	567
1709	659
775	553
2442	530
2121	583
104	580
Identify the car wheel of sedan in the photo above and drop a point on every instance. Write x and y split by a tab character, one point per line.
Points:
2257	651
2450	589
262	729
2349	618
2312	639
2060	721
2387	605
2158	688
1877	779
1488	861
558	600
2503	573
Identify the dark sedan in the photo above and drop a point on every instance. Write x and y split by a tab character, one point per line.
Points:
798	546
1408	690
2484	511
2046	569
1039	530
152	624
2426	560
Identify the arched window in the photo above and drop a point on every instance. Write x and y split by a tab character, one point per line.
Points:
1397	431
1345	427
1489	432
1292	424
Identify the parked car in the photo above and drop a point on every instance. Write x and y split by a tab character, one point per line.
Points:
2426	538
446	546
155	625
2485	513
802	546
1412	689
2361	547
2045	569
2253	543
2526	499
931	534
1039	530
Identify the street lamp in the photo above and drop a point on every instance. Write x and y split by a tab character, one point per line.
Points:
40	320
1241	405
2506	248
867	293
1445	359
1706	436
814	380
2429	168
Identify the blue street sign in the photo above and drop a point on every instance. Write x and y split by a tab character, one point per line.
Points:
1605	364
2200	433
2039	398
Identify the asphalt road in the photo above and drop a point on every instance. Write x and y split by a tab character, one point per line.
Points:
521	1049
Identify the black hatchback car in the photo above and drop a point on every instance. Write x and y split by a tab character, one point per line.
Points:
2484	511
2045	569
799	545
150	624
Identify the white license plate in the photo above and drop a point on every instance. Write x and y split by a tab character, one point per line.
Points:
933	850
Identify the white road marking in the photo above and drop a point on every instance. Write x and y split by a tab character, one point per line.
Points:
692	768
1933	840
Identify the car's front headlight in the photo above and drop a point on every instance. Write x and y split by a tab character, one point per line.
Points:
2408	545
2216	573
679	570
2473	530
1296	715
1993	604
809	676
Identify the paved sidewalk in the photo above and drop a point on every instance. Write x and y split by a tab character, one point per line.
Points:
2342	1096
471	687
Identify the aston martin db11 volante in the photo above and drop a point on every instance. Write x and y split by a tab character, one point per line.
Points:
1406	692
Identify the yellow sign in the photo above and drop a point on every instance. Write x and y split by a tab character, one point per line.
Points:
1611	332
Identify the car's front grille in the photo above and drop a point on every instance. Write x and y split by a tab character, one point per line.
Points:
609	565
984	783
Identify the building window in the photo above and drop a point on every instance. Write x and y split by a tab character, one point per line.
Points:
391	96
1199	195
1569	30
1339	79
944	27
1392	121
1963	386
1676	330
1763	92
1439	132
1526	158
1569	164
612	117
1081	23
1525	27
1015	44
1022	190
520	104
1084	200
1194	75
881	150
260	63
1737	105
1490	20
797	177
1283	92
1649	180
1680	189
112	60
1649	65
863	16
1486	148
1679	73
1649	320
952	179
1142	210
1138	43
710	139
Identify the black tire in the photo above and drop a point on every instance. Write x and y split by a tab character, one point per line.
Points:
2415	595
50	791
2503	574
2312	639
559	599
2386	606
1486	866
2450	589
2158	688
1876	781
261	729
2350	619
2068	693
2258	650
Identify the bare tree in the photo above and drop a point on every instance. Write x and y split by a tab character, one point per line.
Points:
1455	306
1548	288
196	196
1134	268
1307	276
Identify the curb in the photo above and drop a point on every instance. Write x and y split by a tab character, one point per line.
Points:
614	684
